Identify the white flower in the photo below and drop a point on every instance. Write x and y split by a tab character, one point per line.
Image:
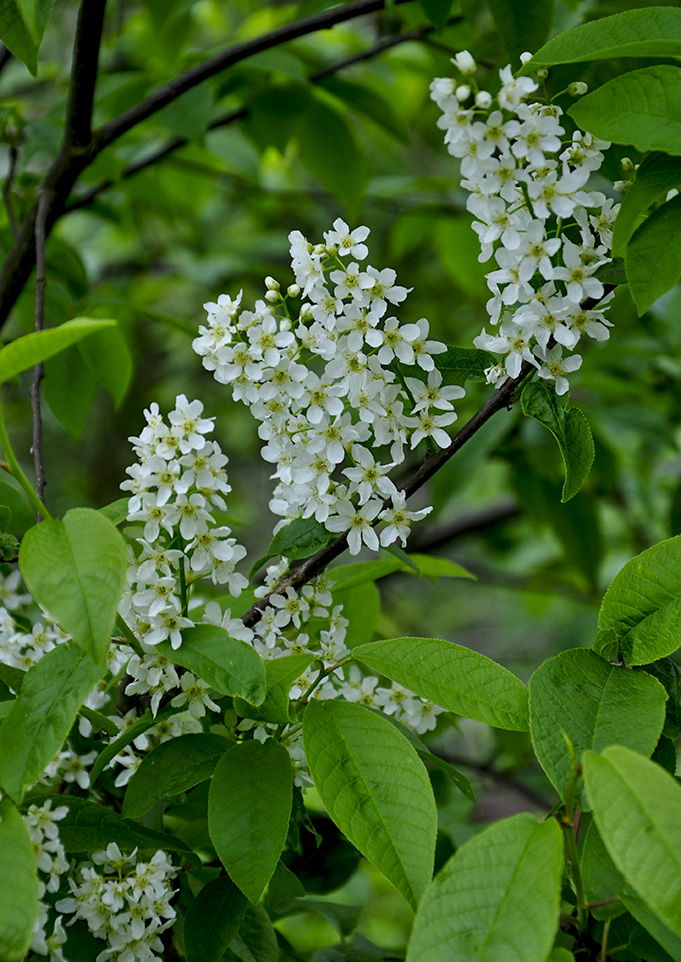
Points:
347	241
555	367
358	522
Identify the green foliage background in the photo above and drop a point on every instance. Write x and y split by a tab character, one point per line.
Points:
290	139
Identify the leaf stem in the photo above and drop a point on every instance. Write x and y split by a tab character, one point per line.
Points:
16	471
129	636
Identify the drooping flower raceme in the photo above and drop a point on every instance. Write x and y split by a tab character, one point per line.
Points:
321	375
534	216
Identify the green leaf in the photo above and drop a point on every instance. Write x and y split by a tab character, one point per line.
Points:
642	107
637	808
367	101
437	12
212	920
116	511
657	174
344	918
76	569
459	257
138	727
375	789
90	827
330	151
68	389
275	113
229	666
31	349
257	936
647	32
455	678
642	606
456	365
595	704
638	908
34	731
249	807
18	885
23	516
497	899
430	566
653	256
298	539
280	673
459	779
345	577
107	356
99	722
521	24
189	115
22	25
570	429
172	767
600	877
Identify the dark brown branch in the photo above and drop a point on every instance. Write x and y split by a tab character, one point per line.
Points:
503	397
481	520
38	371
177	142
488	770
84	72
73	159
227	58
387	44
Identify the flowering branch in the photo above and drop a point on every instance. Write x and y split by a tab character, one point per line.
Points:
503	397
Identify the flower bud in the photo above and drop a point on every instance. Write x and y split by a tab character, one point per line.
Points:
462	93
626	164
293	290
272	296
577	89
285	324
525	57
271	284
542	73
483	100
464	61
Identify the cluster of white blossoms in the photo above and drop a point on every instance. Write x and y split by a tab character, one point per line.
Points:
178	481
125	902
316	366
547	234
52	864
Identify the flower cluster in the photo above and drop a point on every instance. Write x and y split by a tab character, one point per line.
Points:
124	902
547	234
178	480
319	374
41	822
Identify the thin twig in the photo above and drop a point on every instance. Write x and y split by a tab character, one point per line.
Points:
481	520
228	58
84	200
73	159
503	397
502	778
38	370
7	188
